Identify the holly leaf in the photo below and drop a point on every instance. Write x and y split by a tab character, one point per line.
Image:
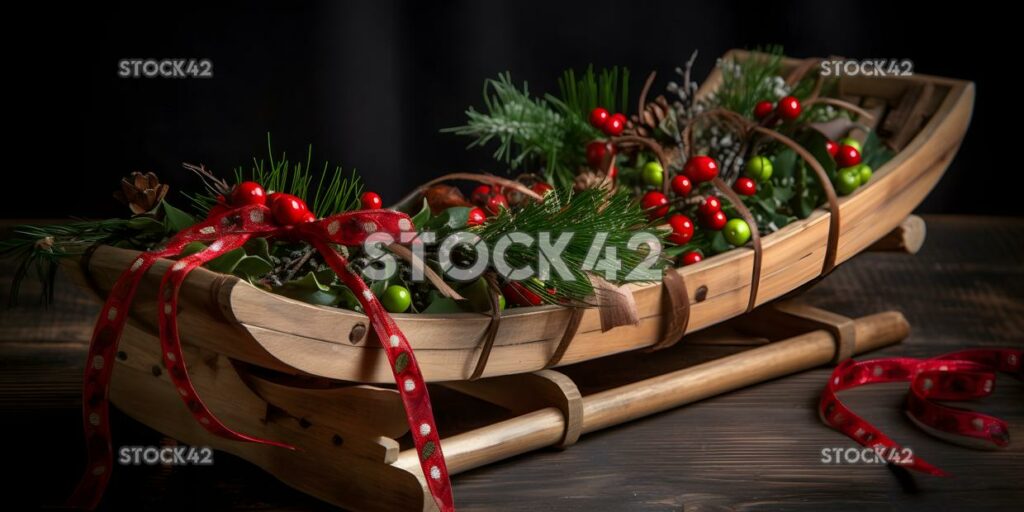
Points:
785	164
815	143
719	244
145	224
258	247
347	298
452	219
781	220
309	289
442	305
192	248
175	219
874	153
423	216
226	263
252	267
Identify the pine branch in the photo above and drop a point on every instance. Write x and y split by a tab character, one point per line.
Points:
523	126
549	133
746	82
333	193
585	214
609	89
40	249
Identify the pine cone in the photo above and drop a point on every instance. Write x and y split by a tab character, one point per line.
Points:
141	192
591	179
646	123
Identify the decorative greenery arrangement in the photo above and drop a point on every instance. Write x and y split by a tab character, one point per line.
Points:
580	166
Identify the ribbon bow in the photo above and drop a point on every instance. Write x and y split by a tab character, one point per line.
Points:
956	376
227	231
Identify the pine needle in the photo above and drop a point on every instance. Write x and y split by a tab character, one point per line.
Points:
585	215
333	192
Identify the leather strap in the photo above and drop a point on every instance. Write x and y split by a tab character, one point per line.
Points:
677	309
492	328
826	185
755	238
571	327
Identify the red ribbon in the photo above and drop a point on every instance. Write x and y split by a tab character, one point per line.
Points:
225	232
956	376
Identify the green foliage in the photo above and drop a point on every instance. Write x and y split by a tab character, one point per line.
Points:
312	290
174	219
550	132
744	83
584	215
332	193
580	95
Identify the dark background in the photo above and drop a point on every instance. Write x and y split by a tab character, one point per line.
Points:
369	84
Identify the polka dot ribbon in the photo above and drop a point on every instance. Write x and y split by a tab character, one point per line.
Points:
225	232
957	376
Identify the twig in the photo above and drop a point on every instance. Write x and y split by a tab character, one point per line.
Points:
209	180
307	253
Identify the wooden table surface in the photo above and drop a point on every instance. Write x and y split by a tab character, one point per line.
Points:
754	449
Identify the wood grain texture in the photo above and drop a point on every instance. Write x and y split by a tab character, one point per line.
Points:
753	449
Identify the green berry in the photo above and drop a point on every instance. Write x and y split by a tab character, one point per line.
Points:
736	231
653	174
478	296
759	168
847	180
864	171
850	141
396	298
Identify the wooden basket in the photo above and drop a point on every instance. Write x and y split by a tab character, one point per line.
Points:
931	116
281	369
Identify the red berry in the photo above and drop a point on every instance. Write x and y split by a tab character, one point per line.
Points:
847	156
272	198
655	204
701	168
289	210
613	172
832	148
692	257
541	188
598	117
496	203
248	192
480	195
681	185
715	221
371	201
476	217
682	229
763	109
710	205
789	108
597	152
745	187
520	295
614	126
309	217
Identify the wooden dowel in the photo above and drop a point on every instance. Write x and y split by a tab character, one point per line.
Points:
908	237
545	427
